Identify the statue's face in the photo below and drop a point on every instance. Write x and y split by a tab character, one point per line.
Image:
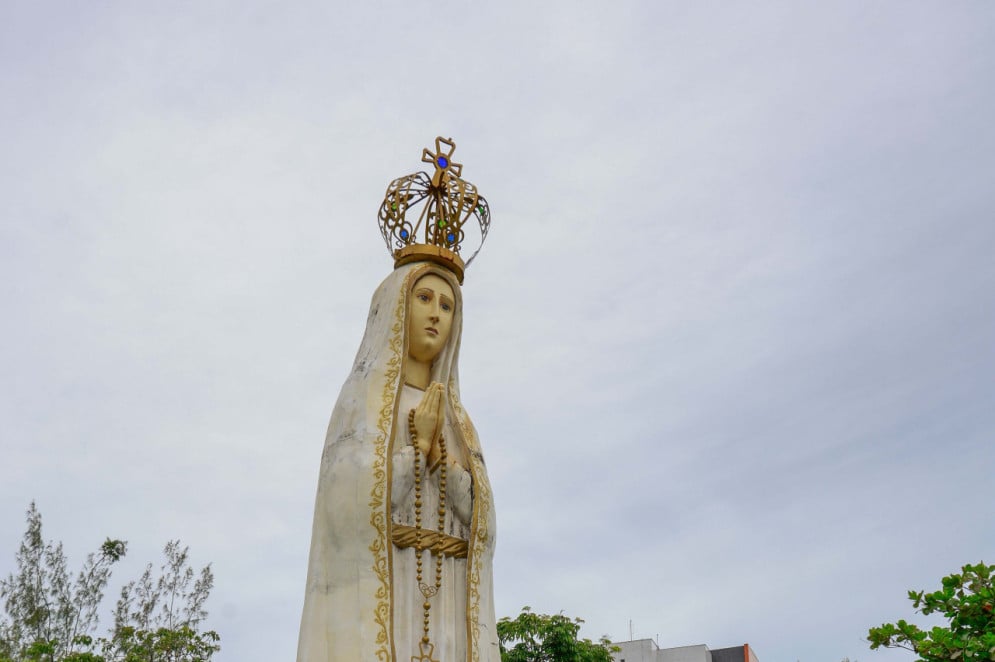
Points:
430	317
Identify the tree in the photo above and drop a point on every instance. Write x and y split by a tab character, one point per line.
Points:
51	617
46	609
543	638
966	600
157	619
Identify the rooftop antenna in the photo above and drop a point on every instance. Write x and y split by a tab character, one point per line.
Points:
630	630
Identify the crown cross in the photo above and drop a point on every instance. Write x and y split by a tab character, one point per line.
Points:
442	161
425	218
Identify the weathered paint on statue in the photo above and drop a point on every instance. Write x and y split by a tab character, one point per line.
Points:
401	469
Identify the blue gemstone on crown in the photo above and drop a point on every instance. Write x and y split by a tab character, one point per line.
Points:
404	234
443	162
450	237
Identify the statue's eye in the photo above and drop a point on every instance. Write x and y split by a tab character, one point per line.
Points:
423	297
446	307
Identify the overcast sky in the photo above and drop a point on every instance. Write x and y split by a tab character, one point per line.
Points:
729	346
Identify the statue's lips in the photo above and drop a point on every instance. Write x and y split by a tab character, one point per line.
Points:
434	332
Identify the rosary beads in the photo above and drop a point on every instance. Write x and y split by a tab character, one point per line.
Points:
426	590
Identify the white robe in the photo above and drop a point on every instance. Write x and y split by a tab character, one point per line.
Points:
362	601
448	607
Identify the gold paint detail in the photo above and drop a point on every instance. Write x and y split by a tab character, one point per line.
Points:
408	536
449	202
478	533
381	480
423	654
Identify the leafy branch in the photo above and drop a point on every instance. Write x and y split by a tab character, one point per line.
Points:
967	601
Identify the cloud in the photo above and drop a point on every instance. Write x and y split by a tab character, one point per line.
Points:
727	346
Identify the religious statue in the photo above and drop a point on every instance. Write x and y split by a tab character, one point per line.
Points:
404	528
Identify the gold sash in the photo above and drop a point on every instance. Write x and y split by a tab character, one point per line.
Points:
407	536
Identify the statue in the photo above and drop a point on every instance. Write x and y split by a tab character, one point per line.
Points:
404	529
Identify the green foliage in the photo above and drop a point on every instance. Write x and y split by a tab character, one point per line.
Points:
967	601
51	617
48	610
172	601
180	644
543	638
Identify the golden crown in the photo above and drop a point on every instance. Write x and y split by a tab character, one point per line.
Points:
440	229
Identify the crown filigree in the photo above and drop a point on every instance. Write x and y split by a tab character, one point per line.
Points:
441	206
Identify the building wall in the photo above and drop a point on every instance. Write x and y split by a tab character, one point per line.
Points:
646	650
698	653
640	650
733	654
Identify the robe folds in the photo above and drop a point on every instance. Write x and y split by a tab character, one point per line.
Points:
361	600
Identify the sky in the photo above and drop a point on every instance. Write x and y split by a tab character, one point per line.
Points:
728	346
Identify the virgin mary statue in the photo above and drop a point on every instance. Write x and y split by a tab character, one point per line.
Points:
404	527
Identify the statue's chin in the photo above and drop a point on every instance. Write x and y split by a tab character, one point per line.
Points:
424	351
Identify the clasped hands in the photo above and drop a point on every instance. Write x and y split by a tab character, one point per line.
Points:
429	420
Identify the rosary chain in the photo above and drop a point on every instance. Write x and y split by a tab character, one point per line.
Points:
443	457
